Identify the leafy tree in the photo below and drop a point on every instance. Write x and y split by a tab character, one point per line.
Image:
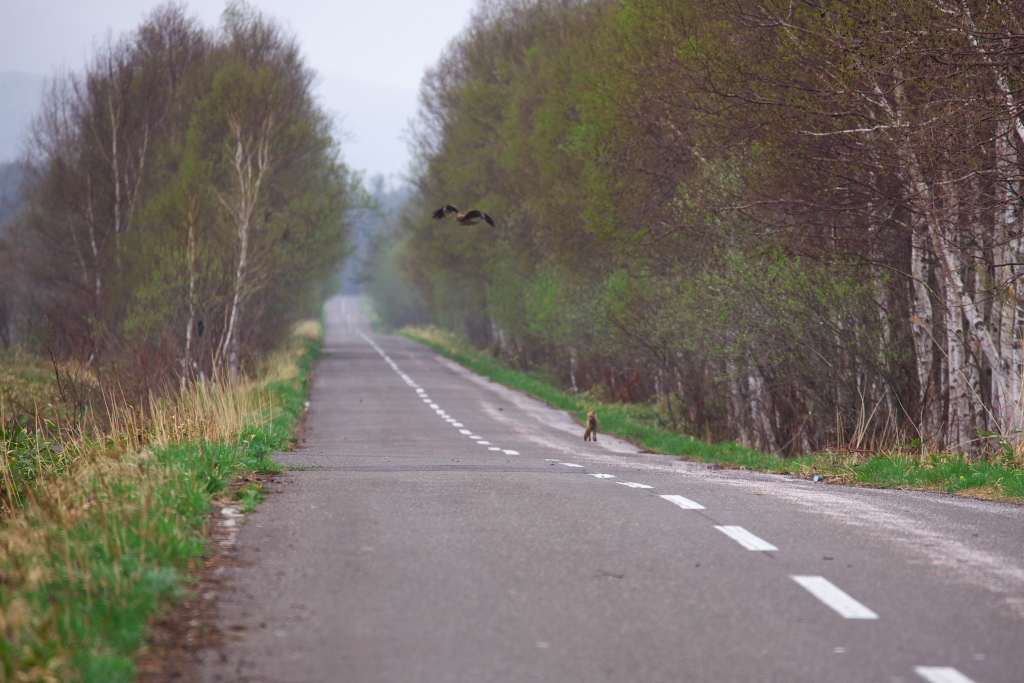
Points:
795	225
186	199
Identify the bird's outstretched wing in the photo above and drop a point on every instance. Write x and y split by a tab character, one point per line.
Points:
445	210
477	213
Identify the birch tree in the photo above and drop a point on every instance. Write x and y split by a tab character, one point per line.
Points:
187	199
257	125
685	147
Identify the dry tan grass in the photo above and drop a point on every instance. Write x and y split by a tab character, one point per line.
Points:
989	492
308	329
281	365
436	335
109	477
35	550
213	412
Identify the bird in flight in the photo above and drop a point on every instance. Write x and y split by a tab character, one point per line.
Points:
468	218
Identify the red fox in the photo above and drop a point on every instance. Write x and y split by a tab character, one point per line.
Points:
592	423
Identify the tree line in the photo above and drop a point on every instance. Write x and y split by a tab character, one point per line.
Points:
797	225
184	201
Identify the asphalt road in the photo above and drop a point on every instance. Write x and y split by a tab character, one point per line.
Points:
449	529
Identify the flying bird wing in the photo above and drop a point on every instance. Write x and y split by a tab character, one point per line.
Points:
445	210
477	213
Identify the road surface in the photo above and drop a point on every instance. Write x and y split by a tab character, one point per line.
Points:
445	528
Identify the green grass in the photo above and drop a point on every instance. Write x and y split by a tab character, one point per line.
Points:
951	473
999	479
93	555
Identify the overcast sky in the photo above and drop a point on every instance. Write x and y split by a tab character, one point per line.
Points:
371	54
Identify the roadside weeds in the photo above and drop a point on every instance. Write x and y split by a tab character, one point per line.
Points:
93	552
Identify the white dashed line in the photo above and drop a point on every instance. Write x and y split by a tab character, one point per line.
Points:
941	674
422	393
550	459
603	476
634	485
684	503
837	599
746	539
571	464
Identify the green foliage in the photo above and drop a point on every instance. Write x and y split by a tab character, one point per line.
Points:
29	456
131	531
203	214
395	301
717	215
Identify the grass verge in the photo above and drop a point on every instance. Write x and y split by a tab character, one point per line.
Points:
999	479
89	555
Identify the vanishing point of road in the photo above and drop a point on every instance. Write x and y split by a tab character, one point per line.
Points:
444	528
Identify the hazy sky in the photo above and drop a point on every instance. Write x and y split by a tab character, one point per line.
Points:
371	53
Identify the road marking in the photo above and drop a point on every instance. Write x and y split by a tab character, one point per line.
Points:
603	476
684	503
746	539
421	392
941	674
835	597
571	464
550	459
634	485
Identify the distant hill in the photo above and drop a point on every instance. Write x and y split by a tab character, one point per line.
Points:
20	98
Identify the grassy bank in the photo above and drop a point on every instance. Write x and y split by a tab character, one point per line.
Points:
904	467
91	548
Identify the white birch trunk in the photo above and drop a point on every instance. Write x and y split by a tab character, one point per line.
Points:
90	222
738	405
1006	371
251	164
923	332
958	421
760	414
190	258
